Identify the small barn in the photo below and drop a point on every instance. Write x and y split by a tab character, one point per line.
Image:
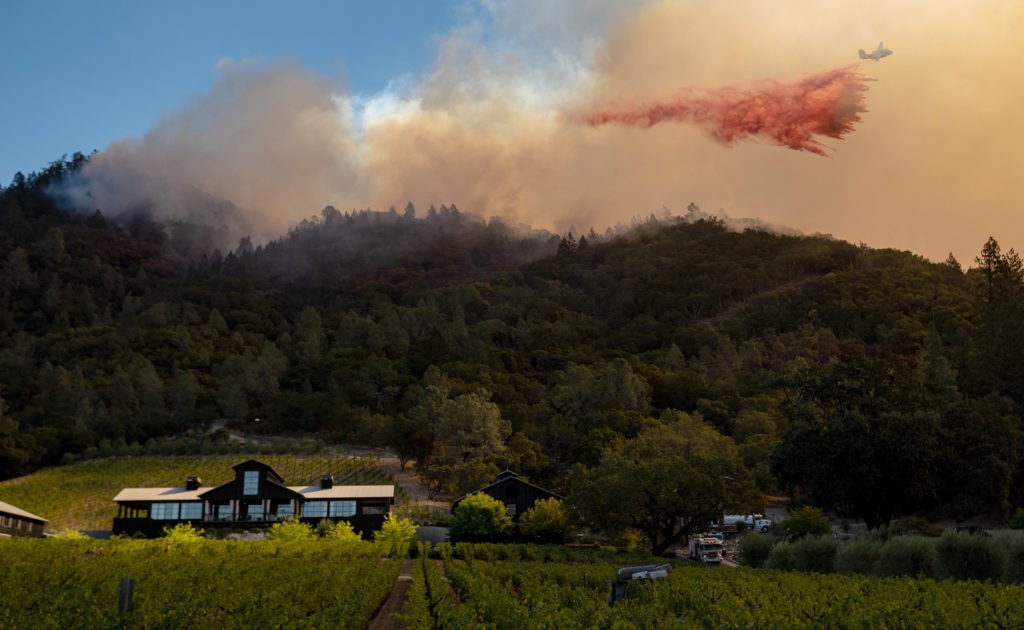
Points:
517	495
15	521
257	497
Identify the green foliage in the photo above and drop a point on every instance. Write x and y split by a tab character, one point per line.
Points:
755	548
182	533
70	585
340	531
479	516
805	521
395	537
968	557
841	366
782	557
910	556
680	469
1014	546
48	585
427	605
815	554
444	550
859	557
291	531
70	534
1017	522
528	594
546	521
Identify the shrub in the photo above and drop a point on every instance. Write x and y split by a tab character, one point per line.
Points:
1014	547
70	534
755	549
859	557
183	532
1017	520
629	540
545	521
395	536
781	557
291	530
479	516
908	556
806	521
338	532
815	554
968	557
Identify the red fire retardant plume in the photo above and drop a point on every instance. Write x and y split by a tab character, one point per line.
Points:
788	114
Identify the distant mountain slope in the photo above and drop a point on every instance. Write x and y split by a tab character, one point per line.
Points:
390	328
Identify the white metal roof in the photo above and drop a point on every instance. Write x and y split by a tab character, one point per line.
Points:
160	494
345	492
309	492
7	508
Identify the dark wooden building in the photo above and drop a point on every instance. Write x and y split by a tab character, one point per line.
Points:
517	495
256	497
17	522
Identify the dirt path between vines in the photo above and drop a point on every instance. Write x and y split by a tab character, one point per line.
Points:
393	604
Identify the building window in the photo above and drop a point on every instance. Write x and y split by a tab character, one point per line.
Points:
251	482
284	510
224	512
375	509
343	508
254	512
164	512
191	510
510	509
315	509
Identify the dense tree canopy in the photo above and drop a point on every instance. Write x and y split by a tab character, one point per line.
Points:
672	479
871	382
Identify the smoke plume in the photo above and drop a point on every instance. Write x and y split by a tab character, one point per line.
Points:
494	124
787	114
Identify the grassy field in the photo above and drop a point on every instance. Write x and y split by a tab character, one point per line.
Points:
80	496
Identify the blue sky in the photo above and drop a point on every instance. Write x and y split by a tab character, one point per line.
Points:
78	75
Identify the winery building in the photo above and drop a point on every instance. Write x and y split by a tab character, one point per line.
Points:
17	522
255	498
517	495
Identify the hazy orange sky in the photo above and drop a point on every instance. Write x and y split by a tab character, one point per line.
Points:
934	166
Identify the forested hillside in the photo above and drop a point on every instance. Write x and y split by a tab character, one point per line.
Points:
869	381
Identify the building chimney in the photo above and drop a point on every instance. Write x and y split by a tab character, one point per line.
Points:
327	481
193	483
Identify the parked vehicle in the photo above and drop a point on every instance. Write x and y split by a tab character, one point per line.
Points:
707	550
752	521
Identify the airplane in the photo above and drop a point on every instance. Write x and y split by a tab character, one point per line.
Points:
876	54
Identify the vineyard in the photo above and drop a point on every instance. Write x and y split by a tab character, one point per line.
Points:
80	496
520	593
210	583
67	583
